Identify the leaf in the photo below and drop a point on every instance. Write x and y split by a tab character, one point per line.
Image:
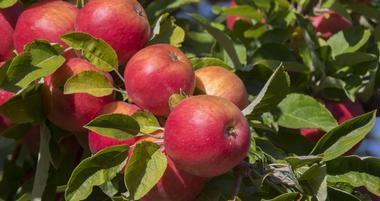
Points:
147	121
95	171
222	39
348	40
344	164
166	31
284	197
25	107
16	132
243	11
315	178
358	179
299	161
353	58
342	138
340	195
198	63
295	112
90	82
43	164
157	8
7	3
274	90
144	169
175	99
96	51
117	126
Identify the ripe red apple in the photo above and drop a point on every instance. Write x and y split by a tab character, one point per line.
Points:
71	112
44	20
6	40
342	111
218	81
328	23
155	73
175	185
98	142
121	23
206	135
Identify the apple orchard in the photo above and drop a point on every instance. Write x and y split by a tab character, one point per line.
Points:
151	100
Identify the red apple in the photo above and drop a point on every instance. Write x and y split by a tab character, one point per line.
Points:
6	40
71	112
175	185
342	111
206	135
121	23
44	20
218	81
155	73
328	23
98	142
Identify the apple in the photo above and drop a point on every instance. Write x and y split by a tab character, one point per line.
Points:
342	111
328	23
98	142
121	23
72	111
206	135
218	81
155	73
175	185
44	20
6	41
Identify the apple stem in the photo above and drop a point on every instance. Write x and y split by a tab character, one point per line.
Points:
120	90
119	75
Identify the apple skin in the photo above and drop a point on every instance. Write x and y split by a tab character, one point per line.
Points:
155	73
342	111
72	111
6	42
121	23
329	23
206	135
175	185
218	81
98	142
44	20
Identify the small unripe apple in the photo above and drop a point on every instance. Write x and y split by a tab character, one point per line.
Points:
44	20
175	185
218	81
328	23
98	142
206	135
155	73
342	111
121	23
72	111
6	40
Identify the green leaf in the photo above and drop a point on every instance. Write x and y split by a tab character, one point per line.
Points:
344	137
147	121
198	63
348	40
315	178
144	169
7	3
341	165
299	161
166	31
284	197
43	164
222	39
243	11
117	126
96	51
95	171
353	58
157	8
295	112
274	90
90	82
340	195
175	99
358	179
25	107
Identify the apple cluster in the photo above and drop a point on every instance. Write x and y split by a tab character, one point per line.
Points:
205	135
